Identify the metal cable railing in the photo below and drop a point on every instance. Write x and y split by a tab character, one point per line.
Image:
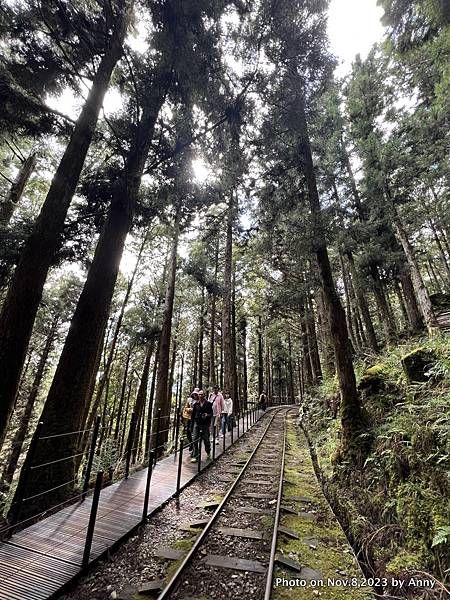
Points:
156	447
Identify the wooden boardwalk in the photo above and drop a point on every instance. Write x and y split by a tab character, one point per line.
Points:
36	563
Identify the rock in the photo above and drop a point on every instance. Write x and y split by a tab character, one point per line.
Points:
373	380
417	364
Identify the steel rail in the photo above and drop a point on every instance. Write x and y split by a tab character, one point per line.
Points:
273	549
188	558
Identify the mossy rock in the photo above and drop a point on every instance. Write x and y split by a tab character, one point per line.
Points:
373	380
417	363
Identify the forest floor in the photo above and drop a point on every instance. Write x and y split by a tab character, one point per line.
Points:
395	506
322	550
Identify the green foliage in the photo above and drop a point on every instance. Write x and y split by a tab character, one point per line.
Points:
404	482
442	536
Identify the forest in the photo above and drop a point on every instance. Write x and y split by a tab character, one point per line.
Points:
221	208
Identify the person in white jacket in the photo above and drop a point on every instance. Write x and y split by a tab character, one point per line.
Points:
227	415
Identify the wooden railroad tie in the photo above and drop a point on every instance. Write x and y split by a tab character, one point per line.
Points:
238	564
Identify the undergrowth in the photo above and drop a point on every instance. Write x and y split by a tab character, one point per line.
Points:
397	505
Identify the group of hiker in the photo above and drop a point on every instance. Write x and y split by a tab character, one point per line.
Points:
206	420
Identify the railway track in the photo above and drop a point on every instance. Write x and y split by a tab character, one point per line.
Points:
235	553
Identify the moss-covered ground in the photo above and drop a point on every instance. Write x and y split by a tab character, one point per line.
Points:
396	507
323	546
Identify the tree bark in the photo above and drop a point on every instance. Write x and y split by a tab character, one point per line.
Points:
412	309
25	291
417	280
386	320
244	365
212	379
162	377
9	205
312	337
441	250
151	400
351	325
123	393
20	435
235	360
362	303
227	338
260	358
327	342
65	405
201	338
351	411
141	398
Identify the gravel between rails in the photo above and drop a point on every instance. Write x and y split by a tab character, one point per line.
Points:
135	563
200	580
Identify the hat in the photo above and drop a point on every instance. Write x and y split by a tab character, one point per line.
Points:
196	390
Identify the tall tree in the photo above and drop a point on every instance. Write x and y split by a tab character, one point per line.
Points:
25	292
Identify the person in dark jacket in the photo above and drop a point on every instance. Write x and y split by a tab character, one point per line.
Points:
201	418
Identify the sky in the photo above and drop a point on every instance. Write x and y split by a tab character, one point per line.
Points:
353	27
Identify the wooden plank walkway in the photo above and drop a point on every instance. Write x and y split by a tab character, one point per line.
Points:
36	563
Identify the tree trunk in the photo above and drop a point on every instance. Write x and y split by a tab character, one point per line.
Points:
351	326
20	435
65	405
386	320
351	412
8	206
260	358
227	337
362	303
441	251
401	303
212	379
312	337
151	400
360	209
201	338
414	316
123	393
244	365
305	355
417	280
235	393
141	398
162	377
291	389
112	349
25	291
327	342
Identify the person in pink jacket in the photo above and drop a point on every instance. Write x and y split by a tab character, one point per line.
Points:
217	401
